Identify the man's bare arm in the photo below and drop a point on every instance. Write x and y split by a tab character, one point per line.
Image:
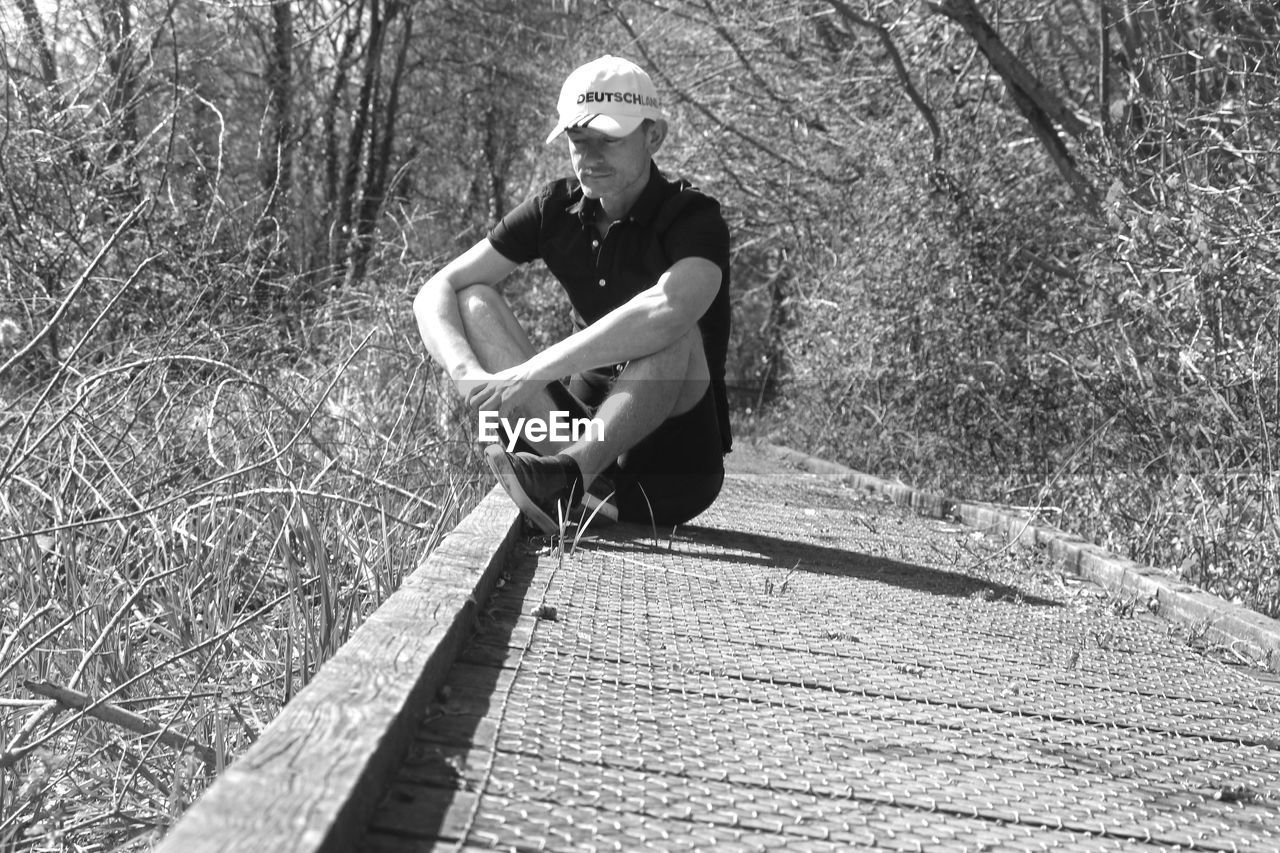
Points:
650	321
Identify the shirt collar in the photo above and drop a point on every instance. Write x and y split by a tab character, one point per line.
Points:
644	209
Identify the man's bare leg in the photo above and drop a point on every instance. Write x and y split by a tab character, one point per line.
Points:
499	342
650	390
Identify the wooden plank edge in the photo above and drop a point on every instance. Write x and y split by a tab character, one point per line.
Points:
1233	625
295	790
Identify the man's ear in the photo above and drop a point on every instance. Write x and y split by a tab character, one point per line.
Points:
657	134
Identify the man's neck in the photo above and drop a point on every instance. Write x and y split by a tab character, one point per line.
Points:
614	209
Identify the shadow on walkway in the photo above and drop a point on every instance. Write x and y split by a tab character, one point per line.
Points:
754	549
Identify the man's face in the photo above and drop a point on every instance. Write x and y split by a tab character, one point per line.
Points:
610	167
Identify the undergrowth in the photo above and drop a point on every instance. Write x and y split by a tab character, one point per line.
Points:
1122	375
191	522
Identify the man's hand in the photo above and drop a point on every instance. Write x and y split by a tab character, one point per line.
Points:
502	392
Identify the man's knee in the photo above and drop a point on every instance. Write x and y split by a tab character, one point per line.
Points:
678	372
480	304
675	359
495	335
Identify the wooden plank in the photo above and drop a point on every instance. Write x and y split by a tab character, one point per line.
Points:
384	843
460	728
450	766
512	631
453	743
431	814
485	654
467	678
312	780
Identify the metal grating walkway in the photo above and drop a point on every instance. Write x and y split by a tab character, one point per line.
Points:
811	668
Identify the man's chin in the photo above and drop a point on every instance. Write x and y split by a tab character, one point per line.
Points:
595	187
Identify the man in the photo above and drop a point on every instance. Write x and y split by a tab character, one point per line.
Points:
645	264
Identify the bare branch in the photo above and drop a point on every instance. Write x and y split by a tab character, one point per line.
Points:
8	465
900	68
705	110
129	219
116	715
1010	68
1038	105
40	42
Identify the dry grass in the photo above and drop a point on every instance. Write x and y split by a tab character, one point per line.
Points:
184	537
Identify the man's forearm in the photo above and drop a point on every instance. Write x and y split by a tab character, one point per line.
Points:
640	327
649	322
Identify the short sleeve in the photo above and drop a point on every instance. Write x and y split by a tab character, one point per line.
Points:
698	231
516	234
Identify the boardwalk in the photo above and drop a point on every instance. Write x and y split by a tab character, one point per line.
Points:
812	668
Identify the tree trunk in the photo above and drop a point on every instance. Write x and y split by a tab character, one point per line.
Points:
277	176
496	152
327	239
122	100
497	156
40	43
1104	68
378	168
357	140
277	159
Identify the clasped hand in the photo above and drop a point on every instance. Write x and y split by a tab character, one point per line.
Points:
501	392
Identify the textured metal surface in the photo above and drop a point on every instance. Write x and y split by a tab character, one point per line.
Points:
811	669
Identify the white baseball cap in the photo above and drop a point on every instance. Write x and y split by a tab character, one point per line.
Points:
611	94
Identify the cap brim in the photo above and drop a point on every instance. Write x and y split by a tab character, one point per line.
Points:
560	128
607	125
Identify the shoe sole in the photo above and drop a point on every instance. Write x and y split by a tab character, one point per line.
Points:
506	475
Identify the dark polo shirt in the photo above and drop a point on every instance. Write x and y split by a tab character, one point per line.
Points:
670	221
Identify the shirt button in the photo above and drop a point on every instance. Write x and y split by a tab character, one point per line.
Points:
595	244
602	282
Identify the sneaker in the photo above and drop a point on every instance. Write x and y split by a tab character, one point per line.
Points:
545	488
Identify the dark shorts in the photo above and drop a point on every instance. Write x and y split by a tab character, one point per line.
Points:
672	474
